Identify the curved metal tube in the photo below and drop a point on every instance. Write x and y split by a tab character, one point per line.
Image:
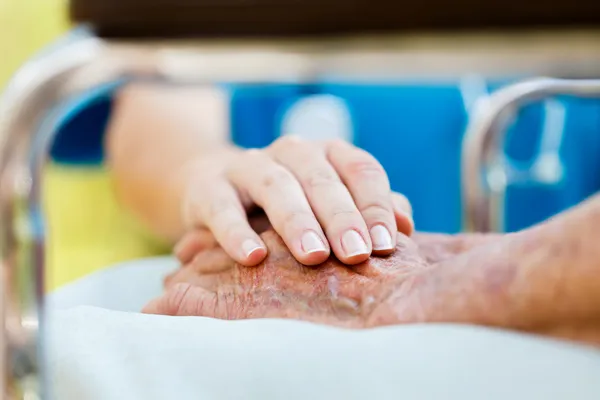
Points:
483	145
79	64
23	108
23	112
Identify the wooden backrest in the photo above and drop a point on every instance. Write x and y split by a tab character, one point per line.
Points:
255	18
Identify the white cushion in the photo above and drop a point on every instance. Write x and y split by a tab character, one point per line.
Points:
102	353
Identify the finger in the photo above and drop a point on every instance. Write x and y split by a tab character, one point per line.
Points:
210	262
368	183
220	210
193	243
187	300
403	214
169	302
184	299
329	198
279	194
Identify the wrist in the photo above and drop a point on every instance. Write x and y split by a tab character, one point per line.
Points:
532	280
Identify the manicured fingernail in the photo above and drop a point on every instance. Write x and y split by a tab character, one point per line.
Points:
382	240
354	244
312	243
250	246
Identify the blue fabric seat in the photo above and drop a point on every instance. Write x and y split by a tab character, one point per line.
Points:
415	130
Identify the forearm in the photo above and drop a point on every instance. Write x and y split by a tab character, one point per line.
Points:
156	136
543	279
436	247
558	269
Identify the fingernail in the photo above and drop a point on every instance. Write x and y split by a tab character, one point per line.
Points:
354	244
382	240
249	246
312	243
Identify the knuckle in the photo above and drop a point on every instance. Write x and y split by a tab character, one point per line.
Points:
276	177
252	155
286	143
291	220
321	177
219	208
227	302
177	297
365	166
376	210
344	214
337	143
200	306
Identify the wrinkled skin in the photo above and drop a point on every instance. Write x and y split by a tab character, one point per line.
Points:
331	293
490	280
212	284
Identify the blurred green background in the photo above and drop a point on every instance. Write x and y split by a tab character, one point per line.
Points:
25	27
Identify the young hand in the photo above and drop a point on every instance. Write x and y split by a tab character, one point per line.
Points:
319	197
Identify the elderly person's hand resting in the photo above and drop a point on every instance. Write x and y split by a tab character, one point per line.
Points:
542	280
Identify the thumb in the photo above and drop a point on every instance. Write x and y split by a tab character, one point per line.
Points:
184	299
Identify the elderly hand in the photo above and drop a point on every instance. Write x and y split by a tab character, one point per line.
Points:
281	287
212	284
515	281
319	197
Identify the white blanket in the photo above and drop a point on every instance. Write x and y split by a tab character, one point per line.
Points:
97	353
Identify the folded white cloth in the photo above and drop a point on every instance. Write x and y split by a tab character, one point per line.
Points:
100	354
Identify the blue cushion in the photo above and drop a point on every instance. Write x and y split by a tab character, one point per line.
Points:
415	130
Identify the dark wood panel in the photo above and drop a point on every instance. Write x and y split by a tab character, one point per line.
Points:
226	18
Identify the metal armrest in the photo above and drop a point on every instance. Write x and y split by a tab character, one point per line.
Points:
484	180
